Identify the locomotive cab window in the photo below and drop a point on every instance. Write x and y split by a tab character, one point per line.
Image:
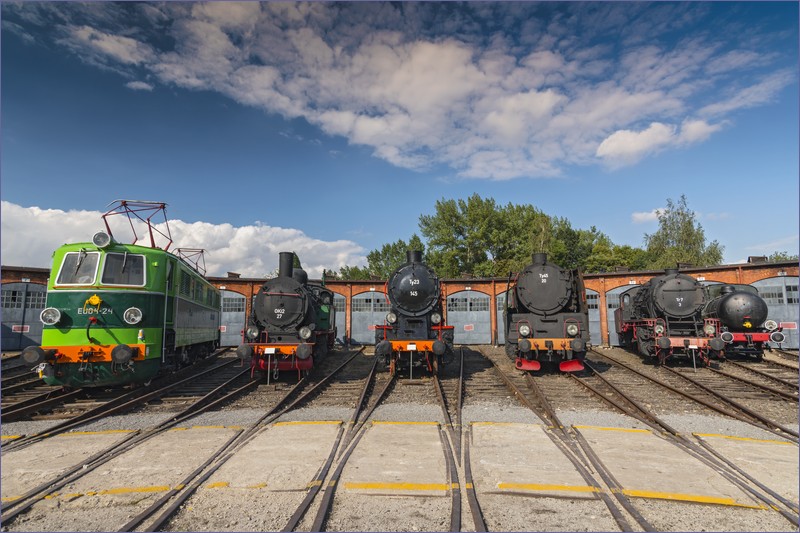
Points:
78	268
123	269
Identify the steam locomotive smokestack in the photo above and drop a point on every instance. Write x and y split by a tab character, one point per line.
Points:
539	258
413	256
286	264
670	271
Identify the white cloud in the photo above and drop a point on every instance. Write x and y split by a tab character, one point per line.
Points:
464	86
626	147
139	86
30	235
646	216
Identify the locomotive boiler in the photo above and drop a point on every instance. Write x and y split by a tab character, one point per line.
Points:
414	334
291	322
663	318
741	316
546	318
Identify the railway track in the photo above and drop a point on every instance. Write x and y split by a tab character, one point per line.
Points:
528	391
11	510
704	388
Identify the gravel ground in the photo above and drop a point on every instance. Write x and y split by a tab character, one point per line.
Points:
253	509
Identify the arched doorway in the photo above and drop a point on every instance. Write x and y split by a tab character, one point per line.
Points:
22	303
233	319
340	304
366	311
469	312
781	295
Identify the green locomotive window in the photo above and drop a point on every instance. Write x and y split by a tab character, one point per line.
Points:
123	269
78	268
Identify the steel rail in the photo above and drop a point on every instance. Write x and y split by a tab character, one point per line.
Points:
327	498
122	403
566	443
750	382
455	489
319	479
688	396
764	374
472	497
47	399
236	445
743	408
704	452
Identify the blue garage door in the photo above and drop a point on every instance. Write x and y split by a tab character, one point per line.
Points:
469	312
367	310
340	304
593	303
501	325
781	295
232	319
612	301
22	303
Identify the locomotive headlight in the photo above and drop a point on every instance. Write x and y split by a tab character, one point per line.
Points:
659	329
572	329
709	329
50	316
101	239
252	332
771	325
524	330
436	318
132	315
305	333
391	318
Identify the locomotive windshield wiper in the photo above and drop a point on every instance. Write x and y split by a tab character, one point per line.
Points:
124	261
81	257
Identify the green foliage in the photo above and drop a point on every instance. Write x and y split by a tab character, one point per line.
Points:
479	237
381	263
776	257
680	239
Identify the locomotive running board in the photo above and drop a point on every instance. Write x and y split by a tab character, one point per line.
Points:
573	365
524	364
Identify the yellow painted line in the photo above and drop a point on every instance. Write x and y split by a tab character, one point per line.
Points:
10	498
10	437
128	490
315	483
502	424
545	487
623	430
258	486
310	423
697	498
105	432
390	423
218	485
469	486
743	438
396	486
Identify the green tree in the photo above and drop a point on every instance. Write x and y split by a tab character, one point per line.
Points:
459	235
680	239
781	256
382	263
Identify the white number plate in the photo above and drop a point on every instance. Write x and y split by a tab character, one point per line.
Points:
692	346
269	350
412	346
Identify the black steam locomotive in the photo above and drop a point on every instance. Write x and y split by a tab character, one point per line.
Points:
414	333
663	318
741	317
291	323
546	318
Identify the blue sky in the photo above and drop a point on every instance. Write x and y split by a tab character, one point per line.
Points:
328	129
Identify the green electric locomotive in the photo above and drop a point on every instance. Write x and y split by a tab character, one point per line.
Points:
117	313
